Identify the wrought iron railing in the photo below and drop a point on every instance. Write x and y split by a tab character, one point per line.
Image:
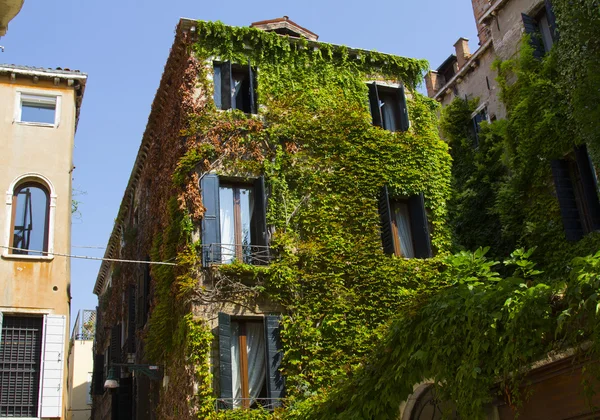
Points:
215	254
248	403
85	325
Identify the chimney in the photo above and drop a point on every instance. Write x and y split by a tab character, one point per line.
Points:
479	9
433	82
462	51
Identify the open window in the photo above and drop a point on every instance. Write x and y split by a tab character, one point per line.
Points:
234	226
388	107
30	219
235	86
249	362
576	190
542	29
404	226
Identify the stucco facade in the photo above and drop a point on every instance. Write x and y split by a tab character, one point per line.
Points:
36	285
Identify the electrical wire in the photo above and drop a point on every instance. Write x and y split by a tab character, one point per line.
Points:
84	257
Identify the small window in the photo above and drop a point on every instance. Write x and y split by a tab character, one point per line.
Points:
38	109
541	27
249	366
235	87
404	226
234	223
30	213
388	107
477	118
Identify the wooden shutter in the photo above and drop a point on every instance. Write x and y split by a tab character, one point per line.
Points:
403	117
275	380
217	85
566	199
211	229
1	320
252	81
551	20
226	85
258	224
53	360
131	320
225	378
98	375
385	213
532	29
124	399
477	119
375	108
115	344
588	185
419	226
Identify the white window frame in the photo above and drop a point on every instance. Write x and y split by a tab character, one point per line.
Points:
40	97
29	177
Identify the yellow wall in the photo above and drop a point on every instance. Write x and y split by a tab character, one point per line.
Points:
81	364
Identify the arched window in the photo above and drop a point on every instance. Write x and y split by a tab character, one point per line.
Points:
30	219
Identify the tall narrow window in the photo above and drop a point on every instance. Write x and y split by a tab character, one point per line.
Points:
403	238
236	204
388	107
248	368
235	87
30	212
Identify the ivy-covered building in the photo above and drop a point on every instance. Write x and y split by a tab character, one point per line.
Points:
288	199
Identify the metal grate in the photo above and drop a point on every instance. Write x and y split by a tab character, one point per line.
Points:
20	354
228	253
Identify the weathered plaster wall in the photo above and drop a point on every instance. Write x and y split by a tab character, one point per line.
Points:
507	26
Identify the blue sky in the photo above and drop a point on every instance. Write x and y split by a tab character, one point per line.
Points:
123	46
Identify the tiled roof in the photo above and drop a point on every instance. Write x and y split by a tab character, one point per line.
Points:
42	71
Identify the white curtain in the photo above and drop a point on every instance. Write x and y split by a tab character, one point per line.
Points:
255	345
403	222
227	221
389	120
255	350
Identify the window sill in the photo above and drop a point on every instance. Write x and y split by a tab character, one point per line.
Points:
37	124
27	257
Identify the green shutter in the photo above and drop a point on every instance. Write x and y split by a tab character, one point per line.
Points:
258	223
588	185
551	20
252	80
211	229
532	29
98	375
375	108
225	377
115	344
403	117
566	199
226	85
131	320
419	226
385	214
275	380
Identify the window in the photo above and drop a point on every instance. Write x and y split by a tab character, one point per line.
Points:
542	29
235	87
234	225
30	219
20	365
576	190
250	357
477	118
38	109
404	226
388	107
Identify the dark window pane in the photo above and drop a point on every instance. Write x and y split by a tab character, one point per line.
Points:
30	220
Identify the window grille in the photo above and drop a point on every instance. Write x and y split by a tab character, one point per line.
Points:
20	354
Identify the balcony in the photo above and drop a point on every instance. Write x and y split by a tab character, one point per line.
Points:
218	254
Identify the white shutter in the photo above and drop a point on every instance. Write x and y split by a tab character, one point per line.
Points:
53	366
1	318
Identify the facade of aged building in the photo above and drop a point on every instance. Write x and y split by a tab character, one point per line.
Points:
285	192
38	117
8	10
80	365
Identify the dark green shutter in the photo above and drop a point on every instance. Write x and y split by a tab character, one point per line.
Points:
532	29
131	321
125	399
551	20
275	380
98	375
566	199
139	314
477	120
403	117
252	88
217	85
589	185
419	226
385	213
258	224
211	229
226	85
375	108
225	378
115	344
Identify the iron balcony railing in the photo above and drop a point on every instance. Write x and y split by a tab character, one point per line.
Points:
215	254
248	403
85	325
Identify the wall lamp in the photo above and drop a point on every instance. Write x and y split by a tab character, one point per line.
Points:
152	371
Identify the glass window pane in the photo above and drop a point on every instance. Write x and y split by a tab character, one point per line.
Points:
217	86
404	232
227	224
246	205
37	111
30	220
